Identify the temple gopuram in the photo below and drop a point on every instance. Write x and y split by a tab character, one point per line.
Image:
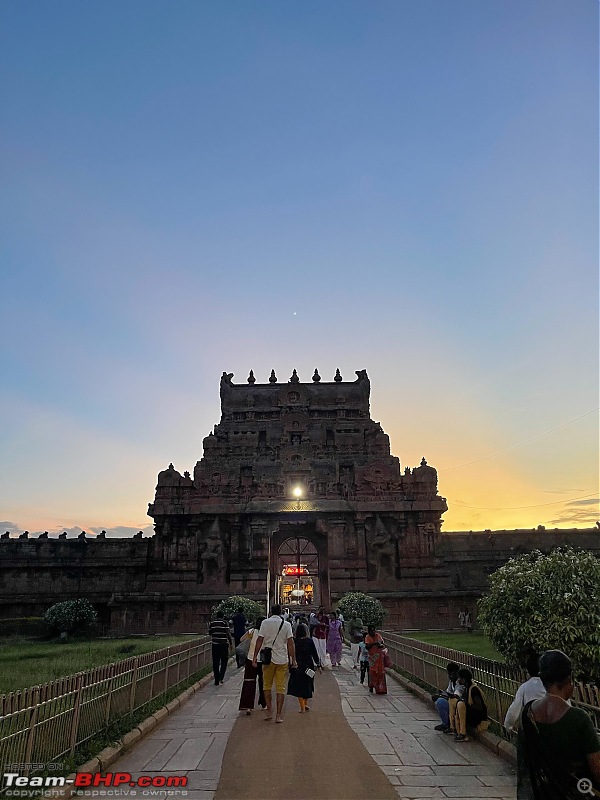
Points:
296	480
297	499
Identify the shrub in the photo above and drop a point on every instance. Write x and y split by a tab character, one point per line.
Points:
251	609
540	602
72	616
358	604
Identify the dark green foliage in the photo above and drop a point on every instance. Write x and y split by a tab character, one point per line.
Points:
540	602
358	604
72	616
251	609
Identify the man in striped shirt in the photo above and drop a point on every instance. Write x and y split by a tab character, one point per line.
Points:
218	630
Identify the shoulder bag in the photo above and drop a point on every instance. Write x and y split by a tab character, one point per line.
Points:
267	652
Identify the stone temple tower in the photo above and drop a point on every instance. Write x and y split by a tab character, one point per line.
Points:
297	498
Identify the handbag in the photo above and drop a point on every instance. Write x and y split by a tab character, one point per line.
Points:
310	672
387	661
243	649
266	653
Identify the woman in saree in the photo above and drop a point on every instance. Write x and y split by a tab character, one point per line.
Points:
558	749
251	674
334	640
375	647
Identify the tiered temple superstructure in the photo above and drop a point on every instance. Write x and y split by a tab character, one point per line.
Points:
293	461
296	498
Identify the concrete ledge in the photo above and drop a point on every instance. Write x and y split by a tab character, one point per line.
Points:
500	747
131	738
160	714
109	755
173	705
146	725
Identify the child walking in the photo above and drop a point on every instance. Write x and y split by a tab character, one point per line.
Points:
363	659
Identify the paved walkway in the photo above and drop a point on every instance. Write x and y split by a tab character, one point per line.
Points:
400	755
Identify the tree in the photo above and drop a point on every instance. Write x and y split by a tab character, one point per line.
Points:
551	601
358	604
72	616
251	609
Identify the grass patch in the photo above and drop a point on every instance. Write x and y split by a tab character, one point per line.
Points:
475	643
25	663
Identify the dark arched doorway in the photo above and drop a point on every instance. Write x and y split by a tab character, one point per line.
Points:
297	582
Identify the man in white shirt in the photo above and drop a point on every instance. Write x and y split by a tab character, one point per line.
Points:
275	633
533	689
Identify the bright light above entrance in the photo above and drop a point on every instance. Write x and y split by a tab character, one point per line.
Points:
297	491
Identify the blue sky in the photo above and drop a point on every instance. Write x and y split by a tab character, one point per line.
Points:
406	187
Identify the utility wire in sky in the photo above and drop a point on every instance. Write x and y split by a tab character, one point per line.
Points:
522	444
512	508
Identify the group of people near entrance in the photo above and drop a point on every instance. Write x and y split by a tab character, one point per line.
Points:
286	653
558	750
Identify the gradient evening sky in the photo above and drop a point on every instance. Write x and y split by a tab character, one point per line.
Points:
197	187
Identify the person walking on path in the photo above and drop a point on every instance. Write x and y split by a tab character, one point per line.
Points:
218	630
320	636
363	659
252	673
375	647
443	700
239	625
355	628
532	689
301	683
334	640
276	635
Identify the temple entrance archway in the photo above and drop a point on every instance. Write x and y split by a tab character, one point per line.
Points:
297	583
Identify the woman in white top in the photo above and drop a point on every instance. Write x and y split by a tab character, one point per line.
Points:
533	689
251	673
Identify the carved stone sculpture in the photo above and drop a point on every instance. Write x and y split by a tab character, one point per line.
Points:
212	555
382	551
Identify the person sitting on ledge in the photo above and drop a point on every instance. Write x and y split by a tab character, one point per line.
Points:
470	709
441	700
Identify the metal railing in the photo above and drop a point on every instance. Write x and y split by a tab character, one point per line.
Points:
499	682
44	724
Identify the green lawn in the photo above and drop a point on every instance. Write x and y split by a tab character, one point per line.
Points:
25	663
475	643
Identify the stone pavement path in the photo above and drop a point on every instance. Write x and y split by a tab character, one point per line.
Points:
396	730
191	742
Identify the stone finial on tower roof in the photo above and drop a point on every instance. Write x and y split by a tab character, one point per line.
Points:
81	535
423	462
43	535
337	377
294	378
251	378
5	535
63	535
24	535
273	378
101	535
316	377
